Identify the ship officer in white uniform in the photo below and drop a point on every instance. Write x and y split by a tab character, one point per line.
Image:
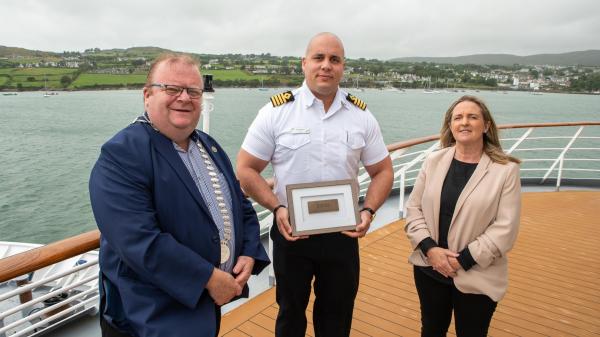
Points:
315	133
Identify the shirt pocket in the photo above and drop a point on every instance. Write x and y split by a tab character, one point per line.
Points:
292	152
355	143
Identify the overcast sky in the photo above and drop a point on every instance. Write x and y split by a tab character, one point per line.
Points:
369	28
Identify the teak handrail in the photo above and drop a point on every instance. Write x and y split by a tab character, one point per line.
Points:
416	141
37	258
34	259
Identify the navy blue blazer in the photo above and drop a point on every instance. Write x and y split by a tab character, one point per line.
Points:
159	244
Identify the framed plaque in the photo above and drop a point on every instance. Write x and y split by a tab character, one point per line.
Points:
323	207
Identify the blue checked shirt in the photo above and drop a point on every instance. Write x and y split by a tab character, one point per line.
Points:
195	164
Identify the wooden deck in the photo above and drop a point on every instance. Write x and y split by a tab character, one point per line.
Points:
554	287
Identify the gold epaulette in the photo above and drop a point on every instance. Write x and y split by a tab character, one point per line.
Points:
357	101
282	98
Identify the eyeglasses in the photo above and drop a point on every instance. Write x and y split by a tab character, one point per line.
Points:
175	90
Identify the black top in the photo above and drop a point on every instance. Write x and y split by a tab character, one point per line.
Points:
457	177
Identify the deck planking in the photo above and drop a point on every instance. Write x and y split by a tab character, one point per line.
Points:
553	278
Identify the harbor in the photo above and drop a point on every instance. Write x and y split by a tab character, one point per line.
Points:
65	132
566	160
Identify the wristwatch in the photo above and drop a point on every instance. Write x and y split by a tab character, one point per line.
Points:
276	209
370	210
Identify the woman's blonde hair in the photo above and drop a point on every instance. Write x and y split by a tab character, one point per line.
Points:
491	141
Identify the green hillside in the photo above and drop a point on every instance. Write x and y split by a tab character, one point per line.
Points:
95	68
13	51
108	80
35	78
584	58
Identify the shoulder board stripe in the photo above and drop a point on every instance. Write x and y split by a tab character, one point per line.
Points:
356	101
282	98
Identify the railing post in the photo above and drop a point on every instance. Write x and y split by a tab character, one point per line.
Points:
2	334
562	154
401	196
26	296
403	174
272	280
560	170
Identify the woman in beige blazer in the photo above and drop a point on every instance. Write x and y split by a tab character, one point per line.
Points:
462	219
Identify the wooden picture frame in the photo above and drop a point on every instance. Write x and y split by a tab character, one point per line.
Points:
323	207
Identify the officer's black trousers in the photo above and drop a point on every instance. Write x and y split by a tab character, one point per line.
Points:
332	259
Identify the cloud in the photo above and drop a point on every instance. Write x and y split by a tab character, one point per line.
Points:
375	29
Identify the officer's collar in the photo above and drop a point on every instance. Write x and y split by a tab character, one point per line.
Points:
310	98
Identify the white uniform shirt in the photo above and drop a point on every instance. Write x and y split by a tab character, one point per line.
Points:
304	144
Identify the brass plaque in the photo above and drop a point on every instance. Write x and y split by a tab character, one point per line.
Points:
322	206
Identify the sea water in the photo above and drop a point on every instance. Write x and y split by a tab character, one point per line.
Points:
48	145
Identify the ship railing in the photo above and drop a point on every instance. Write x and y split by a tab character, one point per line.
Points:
569	156
551	153
408	156
48	286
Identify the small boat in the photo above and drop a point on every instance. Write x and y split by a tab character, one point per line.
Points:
46	93
428	89
262	86
356	87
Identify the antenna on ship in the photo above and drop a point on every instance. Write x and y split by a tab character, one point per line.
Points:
207	104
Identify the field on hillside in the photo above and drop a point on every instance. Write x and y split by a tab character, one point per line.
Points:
92	80
35	78
41	71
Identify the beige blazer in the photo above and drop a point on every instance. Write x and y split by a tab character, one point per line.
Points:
486	219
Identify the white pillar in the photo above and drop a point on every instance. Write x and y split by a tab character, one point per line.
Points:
207	107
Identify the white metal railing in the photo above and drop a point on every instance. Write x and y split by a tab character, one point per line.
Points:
407	161
566	156
520	147
79	282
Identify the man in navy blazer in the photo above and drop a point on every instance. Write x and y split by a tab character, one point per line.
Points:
179	239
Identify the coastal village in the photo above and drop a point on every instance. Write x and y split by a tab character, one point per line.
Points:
25	70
